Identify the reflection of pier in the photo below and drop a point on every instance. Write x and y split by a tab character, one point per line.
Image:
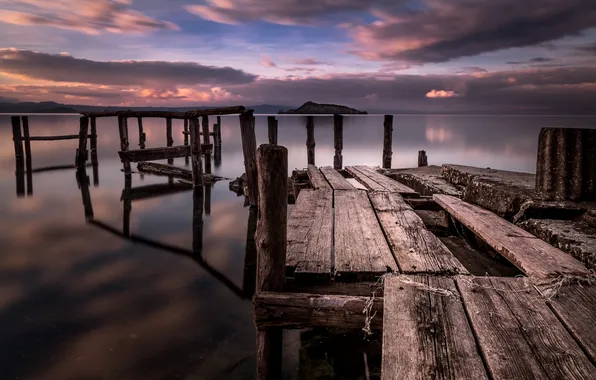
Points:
23	157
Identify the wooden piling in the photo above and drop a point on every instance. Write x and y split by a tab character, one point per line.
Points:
28	163
338	141
94	160
272	129
422	159
83	132
185	133
249	149
169	138
195	152
206	140
18	154
310	139
197	218
217	132
387	141
271	240
123	132
142	136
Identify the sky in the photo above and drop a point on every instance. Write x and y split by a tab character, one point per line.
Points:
481	56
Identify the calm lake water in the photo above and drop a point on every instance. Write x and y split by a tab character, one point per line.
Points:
79	302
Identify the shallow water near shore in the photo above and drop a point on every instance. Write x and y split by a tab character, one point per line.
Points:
81	302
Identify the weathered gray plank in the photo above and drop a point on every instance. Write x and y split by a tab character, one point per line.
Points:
364	179
387	183
426	334
519	336
531	255
336	180
361	250
576	306
416	249
316	178
309	234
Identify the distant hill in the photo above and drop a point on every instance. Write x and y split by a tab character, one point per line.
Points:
30	107
318	108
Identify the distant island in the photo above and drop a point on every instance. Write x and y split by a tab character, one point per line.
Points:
318	108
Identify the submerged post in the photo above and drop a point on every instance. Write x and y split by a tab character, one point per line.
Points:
422	159
83	133
272	129
249	149
195	152
387	141
338	141
18	154
310	140
123	131
566	165
142	137
28	163
271	240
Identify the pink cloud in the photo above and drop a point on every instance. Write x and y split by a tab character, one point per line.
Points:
267	62
441	94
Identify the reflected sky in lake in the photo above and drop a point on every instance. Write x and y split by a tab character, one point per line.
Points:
79	302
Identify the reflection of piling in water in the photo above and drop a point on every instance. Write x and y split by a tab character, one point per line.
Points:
250	255
127	205
28	163
197	221
83	183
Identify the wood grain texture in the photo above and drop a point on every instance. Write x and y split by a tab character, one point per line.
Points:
195	149
310	139
336	180
416	249
249	150
361	250
576	307
316	178
519	336
533	256
364	179
387	140
387	183
426	335
309	235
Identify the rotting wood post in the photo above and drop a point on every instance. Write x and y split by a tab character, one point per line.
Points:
217	132
123	134
338	141
83	132
272	124
28	163
169	138
566	164
185	133
387	141
206	140
94	160
142	136
18	154
422	159
249	149
271	240
310	140
197	218
195	152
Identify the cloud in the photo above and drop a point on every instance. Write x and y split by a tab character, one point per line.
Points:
589	48
64	68
472	70
309	61
301	69
87	16
267	62
533	60
440	94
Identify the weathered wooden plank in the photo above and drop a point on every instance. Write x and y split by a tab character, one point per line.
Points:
416	249
56	138
299	310
361	250
519	336
155	153
361	288
336	180
386	182
309	235
426	334
531	255
576	307
364	179
316	178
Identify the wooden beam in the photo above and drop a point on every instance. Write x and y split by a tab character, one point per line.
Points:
374	181
152	154
533	256
249	149
316	178
299	310
56	138
387	141
336	180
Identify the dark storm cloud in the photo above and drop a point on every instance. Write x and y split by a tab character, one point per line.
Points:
64	68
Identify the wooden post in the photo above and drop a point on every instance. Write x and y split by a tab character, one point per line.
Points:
123	131
338	140
249	149
217	156
310	140
18	154
206	140
197	217
83	181
272	128
28	163
169	138
422	159
249	279
195	151
142	136
83	136
217	132
387	141
271	240
185	133
94	160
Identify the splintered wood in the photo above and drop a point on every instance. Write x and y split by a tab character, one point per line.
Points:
416	249
309	235
336	180
378	182
535	257
426	334
361	250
